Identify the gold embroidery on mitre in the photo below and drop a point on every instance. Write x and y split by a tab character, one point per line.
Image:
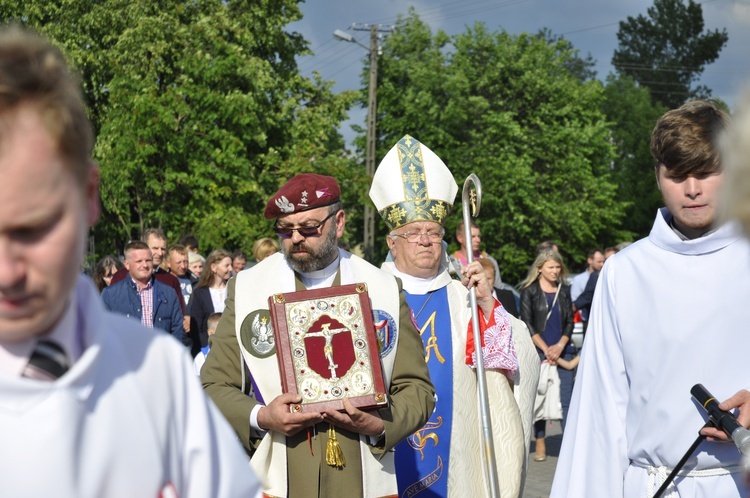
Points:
414	177
417	205
394	218
412	169
401	213
439	211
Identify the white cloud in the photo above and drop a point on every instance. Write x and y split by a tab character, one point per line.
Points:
740	12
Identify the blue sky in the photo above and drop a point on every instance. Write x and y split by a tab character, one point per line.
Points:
591	25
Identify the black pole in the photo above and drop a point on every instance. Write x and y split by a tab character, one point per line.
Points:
682	462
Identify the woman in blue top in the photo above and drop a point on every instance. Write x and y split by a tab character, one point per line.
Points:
547	309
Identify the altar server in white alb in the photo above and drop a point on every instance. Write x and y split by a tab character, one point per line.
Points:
670	311
414	191
92	404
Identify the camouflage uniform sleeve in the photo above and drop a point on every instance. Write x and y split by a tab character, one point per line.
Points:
412	395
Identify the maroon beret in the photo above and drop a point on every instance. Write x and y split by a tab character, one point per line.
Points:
304	191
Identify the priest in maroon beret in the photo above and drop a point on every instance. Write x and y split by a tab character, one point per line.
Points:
322	452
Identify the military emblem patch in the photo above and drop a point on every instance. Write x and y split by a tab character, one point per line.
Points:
385	330
256	334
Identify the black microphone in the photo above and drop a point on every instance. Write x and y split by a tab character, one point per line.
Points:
722	419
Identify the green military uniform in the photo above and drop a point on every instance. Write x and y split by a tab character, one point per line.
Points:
411	402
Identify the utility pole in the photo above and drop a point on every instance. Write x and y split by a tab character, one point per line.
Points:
372	108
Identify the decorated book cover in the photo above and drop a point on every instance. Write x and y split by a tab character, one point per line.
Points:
327	348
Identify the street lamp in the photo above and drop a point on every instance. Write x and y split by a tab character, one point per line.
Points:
369	235
344	36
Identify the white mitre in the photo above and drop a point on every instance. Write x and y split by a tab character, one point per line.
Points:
412	184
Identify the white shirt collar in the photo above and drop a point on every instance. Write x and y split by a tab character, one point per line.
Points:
662	235
323	278
414	285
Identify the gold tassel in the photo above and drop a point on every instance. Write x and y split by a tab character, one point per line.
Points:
334	453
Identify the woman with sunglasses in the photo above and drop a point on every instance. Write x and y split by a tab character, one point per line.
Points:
209	296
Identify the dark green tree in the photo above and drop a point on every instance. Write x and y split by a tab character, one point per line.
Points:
667	50
509	109
200	110
632	116
581	67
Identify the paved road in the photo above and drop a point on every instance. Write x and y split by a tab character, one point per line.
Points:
540	474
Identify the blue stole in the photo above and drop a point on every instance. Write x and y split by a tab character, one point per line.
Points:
422	459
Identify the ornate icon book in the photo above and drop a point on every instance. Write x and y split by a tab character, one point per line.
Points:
327	348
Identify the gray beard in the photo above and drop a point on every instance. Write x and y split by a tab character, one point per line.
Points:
316	259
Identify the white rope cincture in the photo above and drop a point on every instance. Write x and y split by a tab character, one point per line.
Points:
657	476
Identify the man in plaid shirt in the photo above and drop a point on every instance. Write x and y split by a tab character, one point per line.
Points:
143	297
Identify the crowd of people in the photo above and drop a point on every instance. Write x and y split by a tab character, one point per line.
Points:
99	392
176	274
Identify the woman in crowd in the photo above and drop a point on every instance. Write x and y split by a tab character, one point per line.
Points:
547	309
195	263
209	296
262	248
104	270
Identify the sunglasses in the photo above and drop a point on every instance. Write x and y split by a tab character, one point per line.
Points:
307	231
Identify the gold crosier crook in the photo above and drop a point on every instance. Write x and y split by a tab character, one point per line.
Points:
472	200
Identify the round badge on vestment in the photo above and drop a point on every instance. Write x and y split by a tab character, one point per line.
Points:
256	334
385	330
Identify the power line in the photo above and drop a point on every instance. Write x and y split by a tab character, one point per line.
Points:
459	8
344	68
437	14
309	61
431	10
462	11
678	69
590	29
317	49
350	49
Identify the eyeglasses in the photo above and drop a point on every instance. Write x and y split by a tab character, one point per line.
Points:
307	231
433	236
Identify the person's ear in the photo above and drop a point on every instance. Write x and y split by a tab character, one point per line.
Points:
340	218
391	243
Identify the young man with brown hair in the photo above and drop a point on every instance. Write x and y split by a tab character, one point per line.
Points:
668	313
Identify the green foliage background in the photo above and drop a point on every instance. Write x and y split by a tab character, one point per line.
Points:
201	113
667	49
507	108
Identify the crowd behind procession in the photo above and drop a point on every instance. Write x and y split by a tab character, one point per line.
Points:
161	374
